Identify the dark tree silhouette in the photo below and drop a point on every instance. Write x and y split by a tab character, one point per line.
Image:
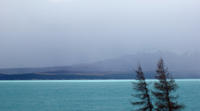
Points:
164	88
142	96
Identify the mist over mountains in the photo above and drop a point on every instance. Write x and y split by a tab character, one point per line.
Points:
180	65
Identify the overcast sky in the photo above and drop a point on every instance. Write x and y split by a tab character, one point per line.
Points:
37	33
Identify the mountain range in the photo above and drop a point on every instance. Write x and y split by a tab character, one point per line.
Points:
179	65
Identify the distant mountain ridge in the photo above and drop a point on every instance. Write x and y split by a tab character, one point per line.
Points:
180	65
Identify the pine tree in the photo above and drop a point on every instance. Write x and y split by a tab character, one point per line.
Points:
143	97
164	88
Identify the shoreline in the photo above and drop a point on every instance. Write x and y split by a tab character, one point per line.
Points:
100	80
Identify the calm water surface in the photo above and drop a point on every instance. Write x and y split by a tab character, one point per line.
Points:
82	95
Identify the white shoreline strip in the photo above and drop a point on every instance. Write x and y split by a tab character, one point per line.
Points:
120	80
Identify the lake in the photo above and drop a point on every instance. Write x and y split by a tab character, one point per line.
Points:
82	95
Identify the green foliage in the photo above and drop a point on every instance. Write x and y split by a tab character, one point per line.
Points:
143	97
164	89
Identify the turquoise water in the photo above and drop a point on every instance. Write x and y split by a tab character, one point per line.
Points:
82	95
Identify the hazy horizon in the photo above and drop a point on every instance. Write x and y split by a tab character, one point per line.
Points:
44	33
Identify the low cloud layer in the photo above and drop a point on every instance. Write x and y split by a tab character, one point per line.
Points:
64	32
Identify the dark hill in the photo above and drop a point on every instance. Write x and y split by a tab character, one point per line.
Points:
182	66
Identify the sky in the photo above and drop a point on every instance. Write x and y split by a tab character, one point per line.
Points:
40	33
